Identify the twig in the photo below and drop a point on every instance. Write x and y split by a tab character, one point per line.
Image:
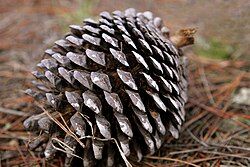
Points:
230	147
21	154
13	135
186	151
213	144
206	85
207	159
61	143
13	112
67	130
196	139
241	155
149	164
171	159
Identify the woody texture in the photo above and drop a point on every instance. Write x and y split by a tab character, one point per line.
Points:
111	91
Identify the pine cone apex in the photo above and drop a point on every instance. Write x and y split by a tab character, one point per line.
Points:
184	37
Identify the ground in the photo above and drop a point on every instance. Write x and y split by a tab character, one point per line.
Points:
217	130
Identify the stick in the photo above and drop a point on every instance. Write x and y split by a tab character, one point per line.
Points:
171	159
13	112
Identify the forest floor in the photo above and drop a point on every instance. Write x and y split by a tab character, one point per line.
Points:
217	130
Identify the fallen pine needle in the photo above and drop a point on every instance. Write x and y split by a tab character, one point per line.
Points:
13	112
171	159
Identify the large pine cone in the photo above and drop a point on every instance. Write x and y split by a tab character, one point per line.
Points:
112	88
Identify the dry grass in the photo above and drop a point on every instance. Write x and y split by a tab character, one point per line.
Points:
216	132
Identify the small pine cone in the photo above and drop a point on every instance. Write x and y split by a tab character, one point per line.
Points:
119	84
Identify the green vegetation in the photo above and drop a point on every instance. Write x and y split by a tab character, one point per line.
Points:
213	49
76	16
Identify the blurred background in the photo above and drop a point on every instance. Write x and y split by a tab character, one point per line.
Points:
219	72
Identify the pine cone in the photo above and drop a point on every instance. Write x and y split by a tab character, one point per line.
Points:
109	88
